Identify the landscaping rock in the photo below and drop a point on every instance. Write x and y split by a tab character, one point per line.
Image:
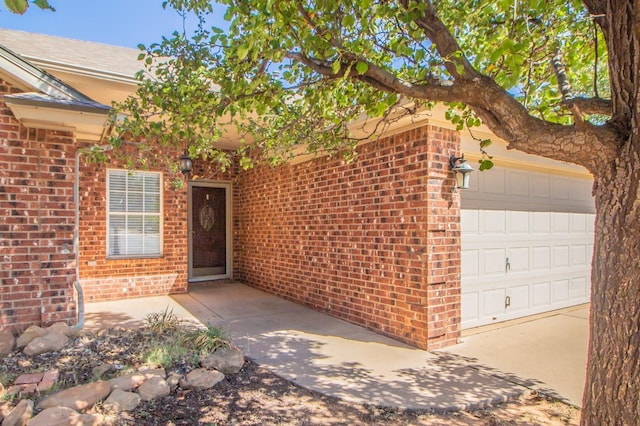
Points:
48	343
7	342
155	387
127	382
173	380
61	328
23	379
201	378
228	360
29	334
153	372
34	382
79	397
120	400
49	378
5	407
63	416
101	369
20	414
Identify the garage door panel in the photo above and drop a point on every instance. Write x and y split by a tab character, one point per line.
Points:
541	258
518	259
578	288
578	255
518	184
493	261
560	256
559	291
492	222
540	186
469	222
578	191
517	222
560	223
541	222
470	307
518	298
493	302
578	223
540	294
559	188
470	263
493	183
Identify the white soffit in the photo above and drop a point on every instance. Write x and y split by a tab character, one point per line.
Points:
86	125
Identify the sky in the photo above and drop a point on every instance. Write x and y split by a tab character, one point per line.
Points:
118	22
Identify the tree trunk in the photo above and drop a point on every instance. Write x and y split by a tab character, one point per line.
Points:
612	390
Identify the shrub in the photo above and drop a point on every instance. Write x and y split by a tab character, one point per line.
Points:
164	321
205	340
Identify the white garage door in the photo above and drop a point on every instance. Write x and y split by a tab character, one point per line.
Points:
527	243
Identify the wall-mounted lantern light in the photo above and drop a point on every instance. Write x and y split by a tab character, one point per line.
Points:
462	169
185	164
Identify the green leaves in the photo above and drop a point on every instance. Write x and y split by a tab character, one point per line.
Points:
17	6
242	52
336	65
485	165
20	6
43	4
362	67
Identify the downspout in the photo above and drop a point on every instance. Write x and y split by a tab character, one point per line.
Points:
76	242
76	236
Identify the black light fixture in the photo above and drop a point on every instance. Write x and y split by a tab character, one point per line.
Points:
462	169
186	164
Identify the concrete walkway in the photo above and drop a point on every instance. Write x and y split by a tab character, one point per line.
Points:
323	353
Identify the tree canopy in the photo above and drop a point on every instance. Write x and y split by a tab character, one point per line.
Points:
292	74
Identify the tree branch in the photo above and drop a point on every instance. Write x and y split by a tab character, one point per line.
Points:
565	87
504	115
446	45
590	105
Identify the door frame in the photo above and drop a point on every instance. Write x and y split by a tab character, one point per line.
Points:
228	187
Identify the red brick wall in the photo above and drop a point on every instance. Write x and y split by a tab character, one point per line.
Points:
37	262
375	242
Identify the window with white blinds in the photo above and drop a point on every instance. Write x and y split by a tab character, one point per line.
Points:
134	225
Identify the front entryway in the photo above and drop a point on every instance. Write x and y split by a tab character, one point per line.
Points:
209	231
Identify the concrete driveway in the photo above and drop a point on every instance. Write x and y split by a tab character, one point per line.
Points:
332	356
548	353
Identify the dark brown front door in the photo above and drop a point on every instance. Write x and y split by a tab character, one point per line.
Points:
209	236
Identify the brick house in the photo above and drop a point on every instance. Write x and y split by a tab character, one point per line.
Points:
386	242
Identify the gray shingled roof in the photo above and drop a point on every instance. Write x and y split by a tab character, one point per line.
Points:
42	49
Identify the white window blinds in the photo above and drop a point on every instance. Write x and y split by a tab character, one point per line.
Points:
134	226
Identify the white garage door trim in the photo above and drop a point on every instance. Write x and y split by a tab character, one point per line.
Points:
527	243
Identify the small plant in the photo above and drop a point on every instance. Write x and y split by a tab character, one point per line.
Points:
165	354
6	379
164	321
6	396
205	340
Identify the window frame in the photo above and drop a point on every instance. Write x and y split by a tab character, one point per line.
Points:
143	214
